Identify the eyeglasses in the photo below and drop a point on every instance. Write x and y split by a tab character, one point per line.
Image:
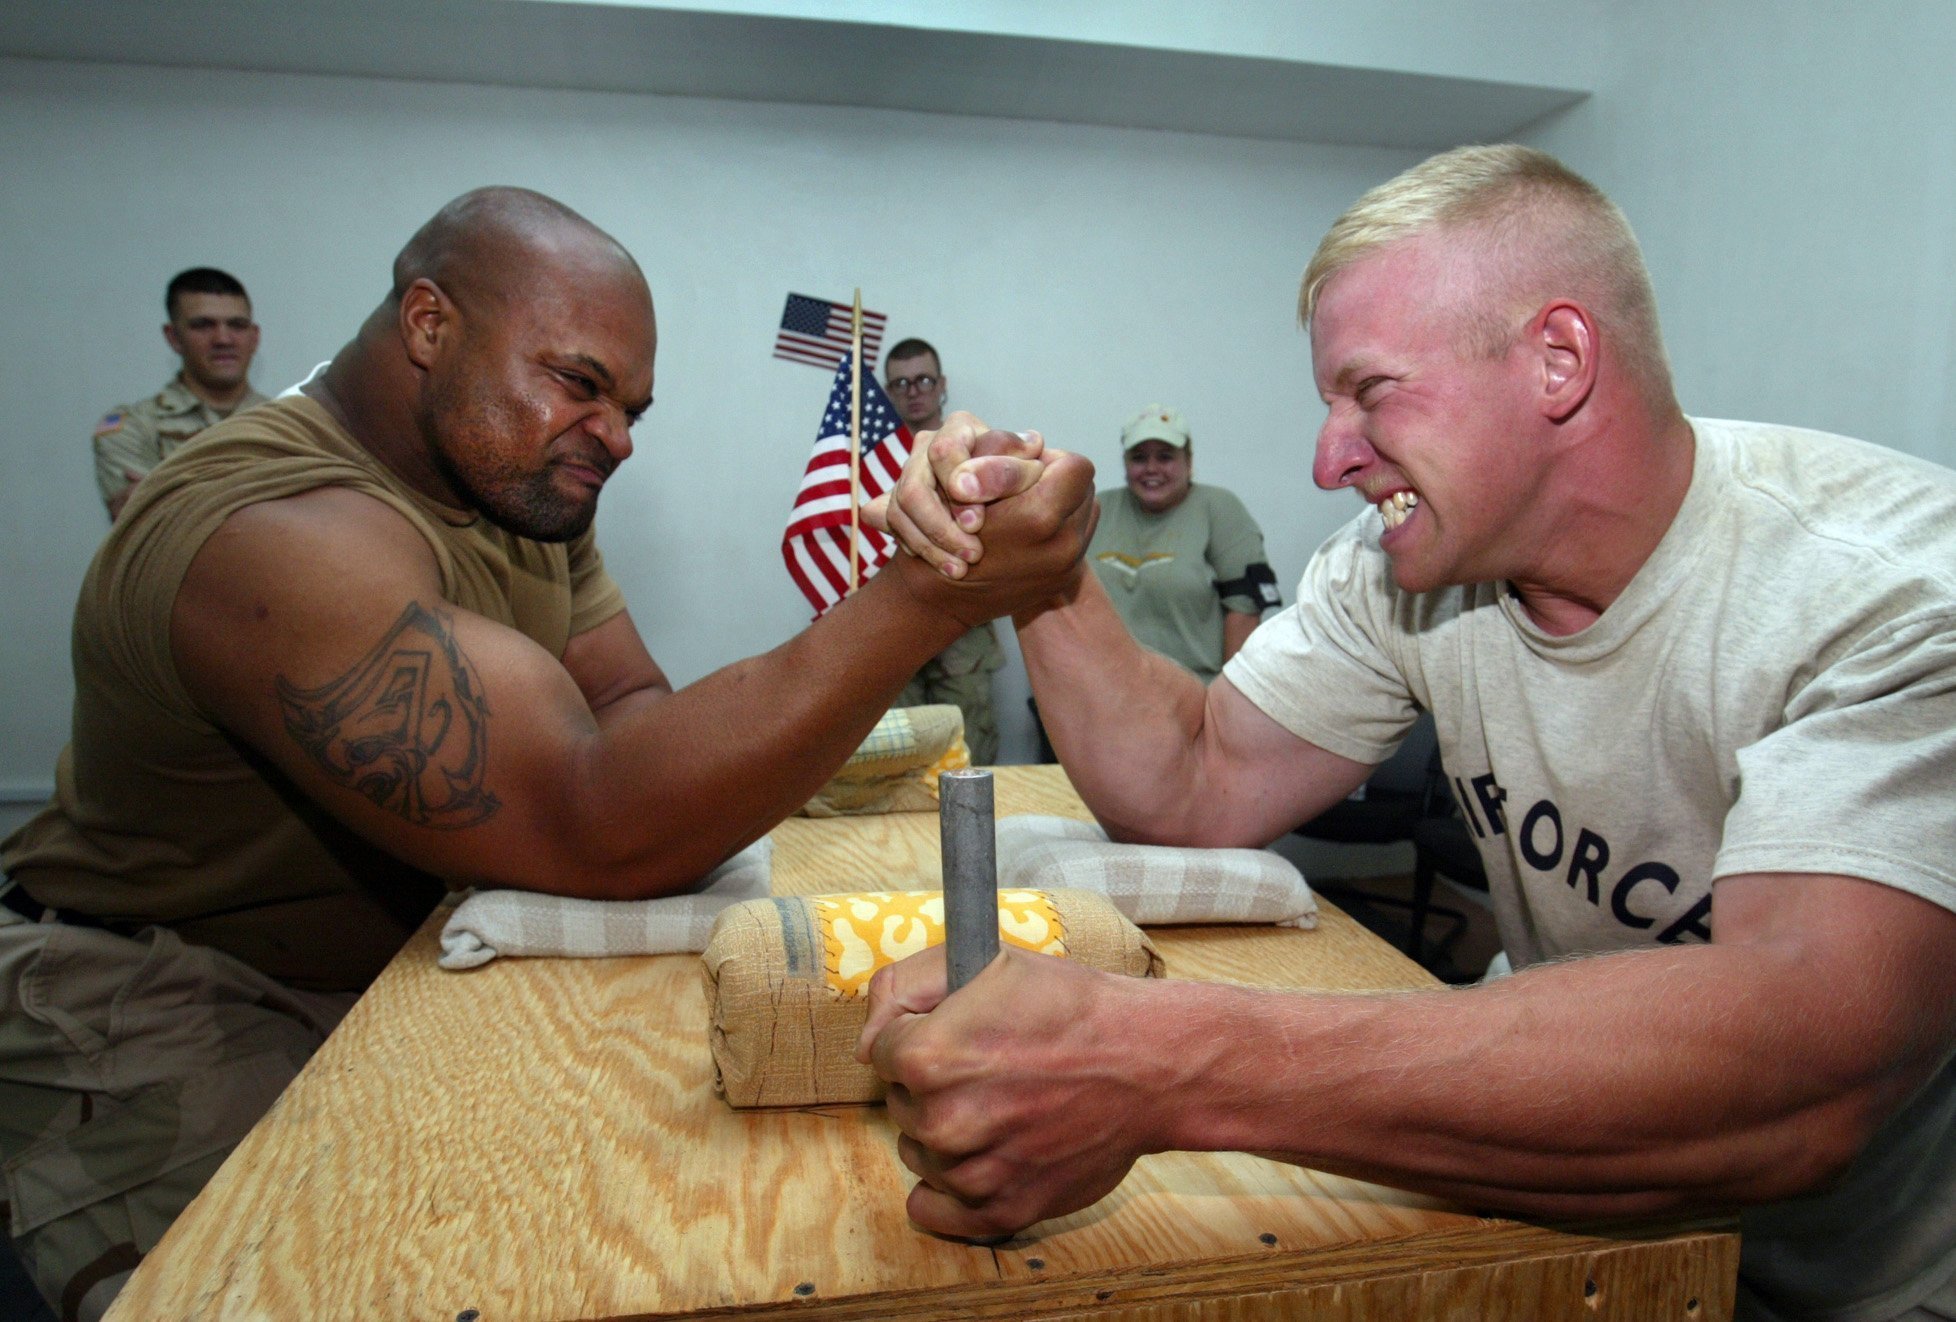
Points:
903	385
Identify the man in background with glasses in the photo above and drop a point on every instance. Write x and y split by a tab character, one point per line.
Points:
962	673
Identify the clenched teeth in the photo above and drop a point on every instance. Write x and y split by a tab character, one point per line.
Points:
1394	508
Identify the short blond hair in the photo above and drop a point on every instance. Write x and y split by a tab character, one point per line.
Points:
1544	232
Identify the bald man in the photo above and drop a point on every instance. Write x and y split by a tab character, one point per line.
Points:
357	647
1695	682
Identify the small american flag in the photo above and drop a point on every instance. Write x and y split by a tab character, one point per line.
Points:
816	544
816	331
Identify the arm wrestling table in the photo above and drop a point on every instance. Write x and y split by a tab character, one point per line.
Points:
540	1139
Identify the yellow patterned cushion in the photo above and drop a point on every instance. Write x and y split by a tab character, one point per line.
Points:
863	932
786	977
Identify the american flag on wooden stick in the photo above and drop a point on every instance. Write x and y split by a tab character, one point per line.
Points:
816	331
816	544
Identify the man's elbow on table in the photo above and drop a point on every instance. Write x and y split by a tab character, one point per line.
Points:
597	839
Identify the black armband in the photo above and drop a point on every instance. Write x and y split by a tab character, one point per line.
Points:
1258	581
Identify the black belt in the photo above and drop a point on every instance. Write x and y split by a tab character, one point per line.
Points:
15	897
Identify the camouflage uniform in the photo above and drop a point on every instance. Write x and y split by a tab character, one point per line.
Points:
133	438
962	675
135	1064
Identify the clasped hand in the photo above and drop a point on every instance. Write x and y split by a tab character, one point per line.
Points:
993	511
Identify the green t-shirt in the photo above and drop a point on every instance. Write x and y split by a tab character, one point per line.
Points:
1172	575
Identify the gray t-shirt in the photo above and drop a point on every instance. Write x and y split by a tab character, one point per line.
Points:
1775	691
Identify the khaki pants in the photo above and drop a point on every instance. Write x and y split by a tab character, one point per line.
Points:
129	1068
962	675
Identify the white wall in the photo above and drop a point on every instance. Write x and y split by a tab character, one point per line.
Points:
1791	169
1070	275
1791	172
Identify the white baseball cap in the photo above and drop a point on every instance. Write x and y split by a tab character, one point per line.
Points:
1155	423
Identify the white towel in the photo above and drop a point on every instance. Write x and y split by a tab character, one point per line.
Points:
511	922
1154	884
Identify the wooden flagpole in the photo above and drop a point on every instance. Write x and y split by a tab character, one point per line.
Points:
855	442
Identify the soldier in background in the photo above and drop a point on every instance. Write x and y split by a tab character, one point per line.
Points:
211	330
962	673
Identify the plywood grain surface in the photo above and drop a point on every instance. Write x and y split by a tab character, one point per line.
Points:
540	1139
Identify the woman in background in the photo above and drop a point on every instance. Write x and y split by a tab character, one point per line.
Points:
1183	562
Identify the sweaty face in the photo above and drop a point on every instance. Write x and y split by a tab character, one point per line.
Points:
215	336
1429	434
916	387
532	412
1158	475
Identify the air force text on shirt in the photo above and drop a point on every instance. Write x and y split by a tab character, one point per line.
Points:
1636	894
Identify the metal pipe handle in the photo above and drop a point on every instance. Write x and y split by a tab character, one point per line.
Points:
968	834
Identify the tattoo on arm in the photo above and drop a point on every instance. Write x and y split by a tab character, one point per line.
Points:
407	727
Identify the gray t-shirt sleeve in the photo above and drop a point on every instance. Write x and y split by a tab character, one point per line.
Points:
1860	778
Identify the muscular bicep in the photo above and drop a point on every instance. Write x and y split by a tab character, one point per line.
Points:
1862	974
313	629
406	727
1248	780
1845	1002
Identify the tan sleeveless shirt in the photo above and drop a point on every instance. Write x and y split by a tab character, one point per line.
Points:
158	815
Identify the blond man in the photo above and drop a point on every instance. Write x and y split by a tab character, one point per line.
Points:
1697	681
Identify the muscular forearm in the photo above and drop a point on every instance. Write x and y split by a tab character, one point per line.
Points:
1752	1068
1159	758
670	783
1122	719
1615	1085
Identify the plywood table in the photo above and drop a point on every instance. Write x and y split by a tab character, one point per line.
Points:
540	1139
